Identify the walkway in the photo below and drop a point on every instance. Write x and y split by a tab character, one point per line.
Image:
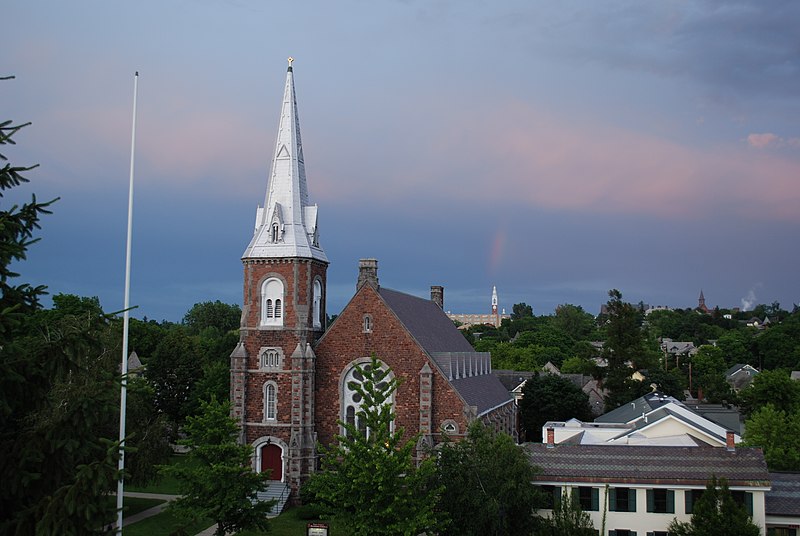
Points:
130	520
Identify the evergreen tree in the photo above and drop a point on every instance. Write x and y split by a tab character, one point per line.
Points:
369	479
57	391
217	481
625	351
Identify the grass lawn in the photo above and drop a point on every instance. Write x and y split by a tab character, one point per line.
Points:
291	523
166	484
163	524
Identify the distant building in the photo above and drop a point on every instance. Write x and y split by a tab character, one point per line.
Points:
701	302
494	318
654	419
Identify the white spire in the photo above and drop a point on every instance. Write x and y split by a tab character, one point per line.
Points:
287	224
494	300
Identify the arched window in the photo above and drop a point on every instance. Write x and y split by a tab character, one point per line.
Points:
270	401
274	232
367	324
352	399
272	303
317	320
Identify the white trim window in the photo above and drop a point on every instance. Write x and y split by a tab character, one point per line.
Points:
272	302
317	310
270	401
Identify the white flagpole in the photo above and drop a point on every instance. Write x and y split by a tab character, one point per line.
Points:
124	388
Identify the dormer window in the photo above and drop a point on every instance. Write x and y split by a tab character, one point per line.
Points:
274	232
272	302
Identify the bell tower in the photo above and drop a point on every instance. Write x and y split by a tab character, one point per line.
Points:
272	367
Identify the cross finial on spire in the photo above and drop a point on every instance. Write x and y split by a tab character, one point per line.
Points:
290	60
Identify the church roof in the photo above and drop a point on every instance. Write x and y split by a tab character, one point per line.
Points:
426	322
439	337
286	226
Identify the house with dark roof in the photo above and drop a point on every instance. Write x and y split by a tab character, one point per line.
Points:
639	490
740	376
783	505
653	419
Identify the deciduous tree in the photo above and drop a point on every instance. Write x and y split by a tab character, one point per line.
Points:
567	519
777	432
548	397
774	387
487	483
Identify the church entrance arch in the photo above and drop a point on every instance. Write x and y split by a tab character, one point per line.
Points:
271	456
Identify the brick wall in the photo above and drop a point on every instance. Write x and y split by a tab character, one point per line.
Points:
346	342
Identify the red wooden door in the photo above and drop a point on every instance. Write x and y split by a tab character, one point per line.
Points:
271	461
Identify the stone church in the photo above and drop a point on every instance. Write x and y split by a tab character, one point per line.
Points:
290	372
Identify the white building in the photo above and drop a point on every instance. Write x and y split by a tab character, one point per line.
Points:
639	490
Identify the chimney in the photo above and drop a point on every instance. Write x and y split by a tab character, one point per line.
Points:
367	273
729	443
437	295
551	438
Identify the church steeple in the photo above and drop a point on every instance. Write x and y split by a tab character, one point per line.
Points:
286	226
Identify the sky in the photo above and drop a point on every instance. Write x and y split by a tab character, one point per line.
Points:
556	150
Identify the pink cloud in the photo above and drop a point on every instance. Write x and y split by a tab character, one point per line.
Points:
760	141
514	152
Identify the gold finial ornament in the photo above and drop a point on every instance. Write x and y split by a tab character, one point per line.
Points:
290	60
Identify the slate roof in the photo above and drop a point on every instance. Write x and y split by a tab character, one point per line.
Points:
642	464
436	334
632	410
784	497
426	322
512	378
484	392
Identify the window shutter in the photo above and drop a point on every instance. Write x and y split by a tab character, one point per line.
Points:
670	501
595	499
651	500
748	502
556	495
687	500
632	501
612	533
612	500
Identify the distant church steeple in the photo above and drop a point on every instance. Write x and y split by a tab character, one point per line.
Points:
494	300
701	302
